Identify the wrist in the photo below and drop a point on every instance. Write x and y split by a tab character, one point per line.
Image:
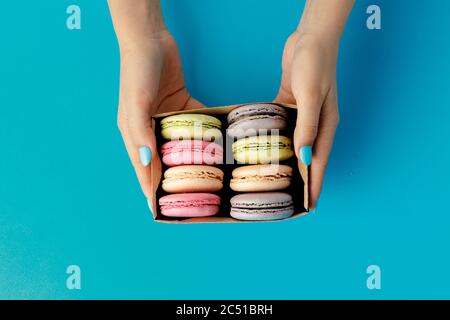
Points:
139	42
326	47
136	21
325	20
327	42
144	44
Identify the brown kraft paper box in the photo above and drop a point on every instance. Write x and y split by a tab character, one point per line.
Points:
298	188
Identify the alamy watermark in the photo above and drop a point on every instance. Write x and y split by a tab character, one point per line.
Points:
374	20
73	21
73	281
374	279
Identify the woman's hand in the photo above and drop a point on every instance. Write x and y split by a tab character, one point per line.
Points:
151	81
309	81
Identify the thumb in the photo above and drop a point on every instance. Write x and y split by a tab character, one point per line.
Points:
141	145
141	133
308	116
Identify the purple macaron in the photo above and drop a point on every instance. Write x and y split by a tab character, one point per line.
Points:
256	119
262	206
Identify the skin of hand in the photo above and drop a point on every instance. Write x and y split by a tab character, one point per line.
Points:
309	81
151	82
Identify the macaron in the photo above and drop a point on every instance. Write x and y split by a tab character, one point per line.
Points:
179	152
256	119
192	178
263	177
191	126
262	149
189	205
262	206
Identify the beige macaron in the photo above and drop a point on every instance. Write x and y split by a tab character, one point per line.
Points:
259	178
192	178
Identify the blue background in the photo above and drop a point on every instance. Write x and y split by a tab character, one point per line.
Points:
68	194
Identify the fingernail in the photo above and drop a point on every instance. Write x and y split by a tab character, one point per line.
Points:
146	155
306	155
314	211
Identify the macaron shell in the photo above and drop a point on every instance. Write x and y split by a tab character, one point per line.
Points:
259	184
262	170
189	119
186	152
257	178
185	132
262	214
262	149
191	126
189	199
192	178
194	171
189	205
262	206
194	212
262	200
257	125
177	185
256	109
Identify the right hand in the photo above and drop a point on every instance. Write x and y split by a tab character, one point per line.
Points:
309	81
151	82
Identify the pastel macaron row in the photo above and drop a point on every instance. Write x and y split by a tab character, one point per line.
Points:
191	178
257	128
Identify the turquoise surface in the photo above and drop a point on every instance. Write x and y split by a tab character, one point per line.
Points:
69	196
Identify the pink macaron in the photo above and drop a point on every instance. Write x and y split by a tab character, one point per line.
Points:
189	205
182	152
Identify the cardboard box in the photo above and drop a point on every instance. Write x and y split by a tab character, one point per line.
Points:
298	189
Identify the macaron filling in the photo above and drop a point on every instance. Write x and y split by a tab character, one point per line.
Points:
187	123
194	175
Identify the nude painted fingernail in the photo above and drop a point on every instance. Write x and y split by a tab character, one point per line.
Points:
145	154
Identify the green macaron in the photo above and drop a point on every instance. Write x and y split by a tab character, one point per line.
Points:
191	126
262	149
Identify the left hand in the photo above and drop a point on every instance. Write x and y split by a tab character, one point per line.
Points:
309	81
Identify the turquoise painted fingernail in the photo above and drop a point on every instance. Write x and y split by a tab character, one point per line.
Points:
146	155
315	209
306	155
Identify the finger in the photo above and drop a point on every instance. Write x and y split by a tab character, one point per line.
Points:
139	129
284	96
308	114
322	148
140	152
143	175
